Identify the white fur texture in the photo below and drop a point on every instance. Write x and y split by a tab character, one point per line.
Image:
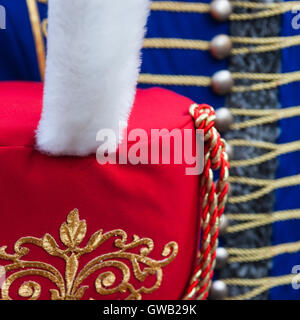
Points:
92	70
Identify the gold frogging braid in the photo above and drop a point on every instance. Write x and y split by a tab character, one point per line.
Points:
37	34
266	80
44	26
252	44
213	197
265	9
69	286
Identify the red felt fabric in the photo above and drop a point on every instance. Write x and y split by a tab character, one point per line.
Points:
37	192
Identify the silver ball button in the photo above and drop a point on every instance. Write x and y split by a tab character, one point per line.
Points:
221	258
218	290
221	46
220	9
229	150
222	82
224	120
229	190
224	224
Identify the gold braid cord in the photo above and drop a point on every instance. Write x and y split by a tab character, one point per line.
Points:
213	198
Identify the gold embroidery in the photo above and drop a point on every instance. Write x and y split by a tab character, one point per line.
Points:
37	34
72	233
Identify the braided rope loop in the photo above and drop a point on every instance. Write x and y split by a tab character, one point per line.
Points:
213	198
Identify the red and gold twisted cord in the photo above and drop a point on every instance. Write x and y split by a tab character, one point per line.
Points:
213	199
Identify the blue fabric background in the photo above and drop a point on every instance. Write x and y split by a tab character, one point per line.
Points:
17	53
187	62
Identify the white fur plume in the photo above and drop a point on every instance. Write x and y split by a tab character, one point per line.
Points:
92	70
